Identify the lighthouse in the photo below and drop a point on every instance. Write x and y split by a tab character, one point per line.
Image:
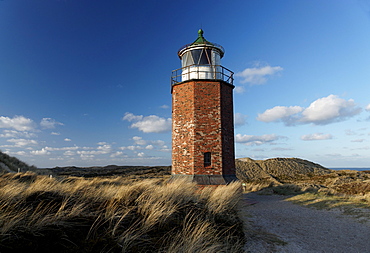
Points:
202	115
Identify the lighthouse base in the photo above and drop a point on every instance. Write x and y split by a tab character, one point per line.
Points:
206	179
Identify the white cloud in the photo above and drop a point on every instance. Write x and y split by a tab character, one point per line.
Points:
239	89
258	75
141	144
239	119
43	151
23	142
153	124
100	150
104	149
367	108
49	123
86	156
58	159
257	140
164	106
67	139
89	153
22	153
55	133
149	124
149	147
278	113
165	149
141	154
132	148
117	154
131	117
323	111
16	134
139	140
329	109
316	137
63	149
69	153
18	123
158	143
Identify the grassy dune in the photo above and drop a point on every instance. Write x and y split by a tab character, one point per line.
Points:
40	214
346	191
294	175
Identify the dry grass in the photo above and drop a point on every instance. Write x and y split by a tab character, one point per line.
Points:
347	192
351	198
356	206
41	214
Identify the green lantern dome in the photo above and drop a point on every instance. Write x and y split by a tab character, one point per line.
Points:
201	42
201	39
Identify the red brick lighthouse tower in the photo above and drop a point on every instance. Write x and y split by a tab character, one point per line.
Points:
202	115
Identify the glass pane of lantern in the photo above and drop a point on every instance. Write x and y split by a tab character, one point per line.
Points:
183	60
196	54
205	57
215	58
187	59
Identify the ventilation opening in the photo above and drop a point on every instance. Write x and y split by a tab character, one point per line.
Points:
207	159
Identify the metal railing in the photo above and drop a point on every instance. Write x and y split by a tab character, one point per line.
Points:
216	72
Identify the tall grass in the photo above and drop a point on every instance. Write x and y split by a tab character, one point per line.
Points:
355	206
41	214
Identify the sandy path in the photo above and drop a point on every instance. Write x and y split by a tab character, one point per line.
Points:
303	229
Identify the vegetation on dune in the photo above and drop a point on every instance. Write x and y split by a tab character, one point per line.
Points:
9	163
133	172
74	214
118	209
277	171
311	184
294	175
357	206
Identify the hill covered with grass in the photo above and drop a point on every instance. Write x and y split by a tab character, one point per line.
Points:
297	175
277	170
133	172
12	164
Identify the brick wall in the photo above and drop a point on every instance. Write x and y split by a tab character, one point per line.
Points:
202	116
183	131
227	119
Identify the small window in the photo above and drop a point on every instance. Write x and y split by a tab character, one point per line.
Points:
207	159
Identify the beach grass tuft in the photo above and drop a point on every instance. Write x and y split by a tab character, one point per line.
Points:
39	214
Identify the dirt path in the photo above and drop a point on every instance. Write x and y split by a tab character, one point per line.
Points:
281	226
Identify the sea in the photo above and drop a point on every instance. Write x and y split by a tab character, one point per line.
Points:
359	169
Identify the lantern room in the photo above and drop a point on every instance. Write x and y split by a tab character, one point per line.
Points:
201	60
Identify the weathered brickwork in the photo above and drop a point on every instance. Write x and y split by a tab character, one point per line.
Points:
227	119
183	129
202	116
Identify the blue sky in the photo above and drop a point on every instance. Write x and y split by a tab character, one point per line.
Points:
86	82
